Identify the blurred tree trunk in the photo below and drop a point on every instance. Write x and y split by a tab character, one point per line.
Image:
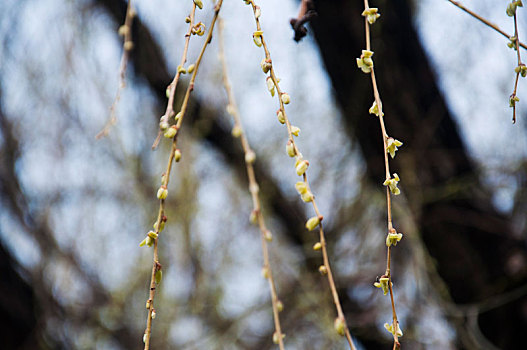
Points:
476	253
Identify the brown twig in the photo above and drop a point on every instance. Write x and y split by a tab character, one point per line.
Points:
483	20
343	328
307	13
126	31
388	177
169	112
238	131
161	217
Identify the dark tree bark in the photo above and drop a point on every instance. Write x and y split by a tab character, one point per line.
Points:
477	254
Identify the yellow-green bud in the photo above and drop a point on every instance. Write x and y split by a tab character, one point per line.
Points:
268	236
323	269
295	130
301	187
250	157
163	125
129	45
236	131
280	116
266	65
301	167
123	30
279	306
159	276
177	155
290	148
162	192
265	272
171	132
257	38
276	337
307	197
253	218
340	326
317	246
312	223
178	116
285	98
199	3
270	85
190	68
181	69
187	19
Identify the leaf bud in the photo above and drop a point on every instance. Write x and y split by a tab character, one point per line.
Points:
250	157
312	223
171	132
285	98
162	192
177	155
340	326
199	4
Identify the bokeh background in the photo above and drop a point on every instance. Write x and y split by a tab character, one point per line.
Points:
73	209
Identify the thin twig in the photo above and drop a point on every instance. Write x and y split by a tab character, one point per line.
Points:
279	92
173	85
254	190
388	176
126	31
483	20
161	217
518	69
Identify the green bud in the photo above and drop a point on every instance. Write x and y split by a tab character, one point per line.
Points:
312	223
159	276
340	326
199	4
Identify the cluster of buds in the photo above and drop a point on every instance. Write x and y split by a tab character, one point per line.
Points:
365	63
371	14
391	146
512	42
511	8
521	69
198	29
392	184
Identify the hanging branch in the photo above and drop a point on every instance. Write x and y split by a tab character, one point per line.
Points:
390	146
126	32
301	166
257	215
162	193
